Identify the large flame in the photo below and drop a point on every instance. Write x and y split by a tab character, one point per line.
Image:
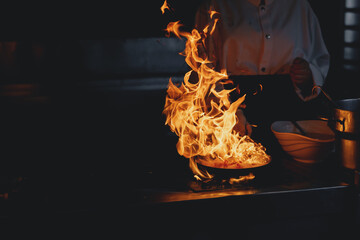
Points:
200	113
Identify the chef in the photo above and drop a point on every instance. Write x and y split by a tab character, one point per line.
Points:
274	52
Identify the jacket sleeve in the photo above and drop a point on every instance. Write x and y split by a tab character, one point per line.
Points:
316	53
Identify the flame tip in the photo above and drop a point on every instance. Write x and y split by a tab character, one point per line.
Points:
164	7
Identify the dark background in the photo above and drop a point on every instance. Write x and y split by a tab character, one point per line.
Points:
82	89
82	85
56	30
85	83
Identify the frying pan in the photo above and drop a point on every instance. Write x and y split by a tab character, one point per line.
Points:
226	173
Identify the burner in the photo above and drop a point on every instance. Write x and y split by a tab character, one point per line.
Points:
218	183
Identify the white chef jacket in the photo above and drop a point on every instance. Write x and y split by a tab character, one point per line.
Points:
255	37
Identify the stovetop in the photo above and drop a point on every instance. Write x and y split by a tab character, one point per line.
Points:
282	175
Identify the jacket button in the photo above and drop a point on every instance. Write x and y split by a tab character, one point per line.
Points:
267	36
263	69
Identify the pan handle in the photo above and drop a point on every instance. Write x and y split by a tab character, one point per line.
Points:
325	94
324	119
342	122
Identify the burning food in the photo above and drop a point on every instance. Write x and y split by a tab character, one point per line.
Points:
201	114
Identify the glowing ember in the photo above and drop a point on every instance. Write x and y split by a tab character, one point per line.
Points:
201	114
241	179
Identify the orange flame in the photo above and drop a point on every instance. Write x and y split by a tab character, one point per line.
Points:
241	178
214	25
173	27
164	6
202	116
212	13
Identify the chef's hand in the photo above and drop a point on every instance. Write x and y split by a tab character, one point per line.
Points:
301	76
242	126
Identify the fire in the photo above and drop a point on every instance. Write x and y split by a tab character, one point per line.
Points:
212	13
200	113
173	27
164	6
241	179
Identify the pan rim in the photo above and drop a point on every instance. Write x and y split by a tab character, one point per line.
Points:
204	163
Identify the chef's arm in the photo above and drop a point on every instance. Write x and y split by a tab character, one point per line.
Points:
305	76
317	60
242	126
302	77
